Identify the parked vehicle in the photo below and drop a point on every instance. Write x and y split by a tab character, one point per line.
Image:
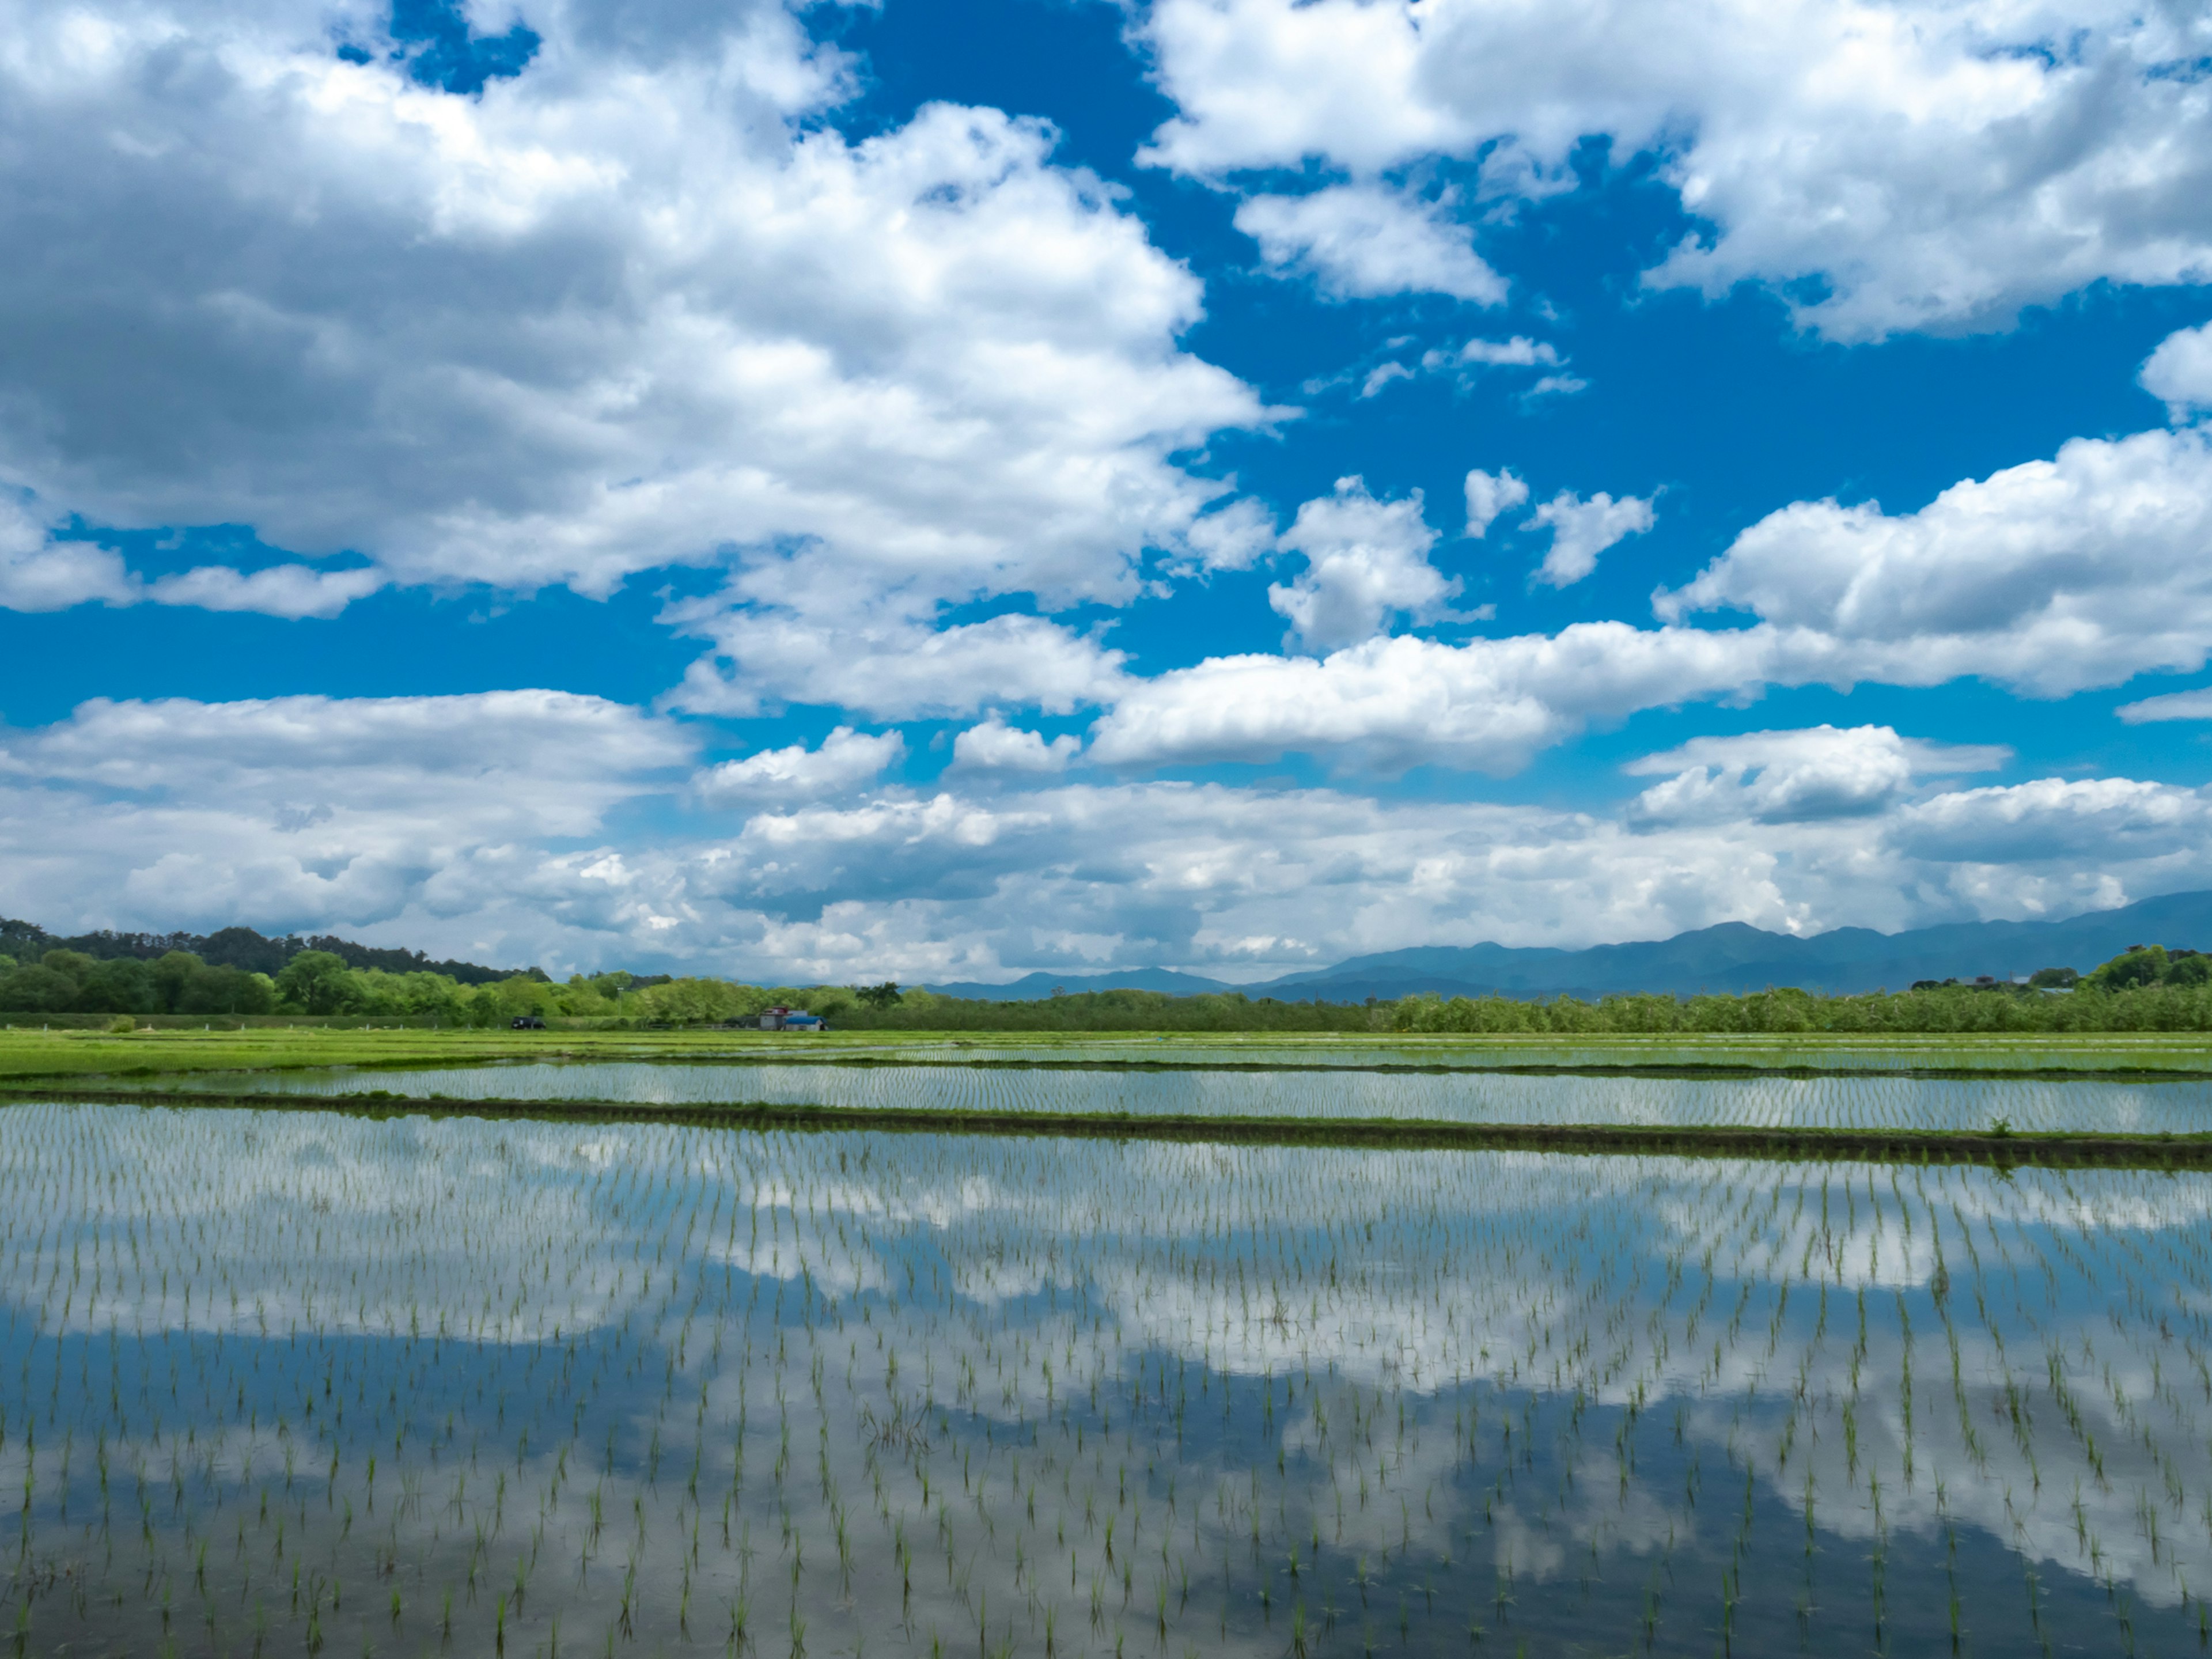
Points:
525	1023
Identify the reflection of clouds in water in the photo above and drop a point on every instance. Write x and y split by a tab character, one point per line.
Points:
1732	1289
441	1226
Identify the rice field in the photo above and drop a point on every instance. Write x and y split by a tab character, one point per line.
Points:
284	1382
28	1055
1848	1100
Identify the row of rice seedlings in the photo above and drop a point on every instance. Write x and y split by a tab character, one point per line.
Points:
1848	1101
455	1385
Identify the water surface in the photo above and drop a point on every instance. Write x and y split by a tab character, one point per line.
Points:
303	1381
1856	1100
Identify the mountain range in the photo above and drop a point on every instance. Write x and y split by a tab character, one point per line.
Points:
1732	957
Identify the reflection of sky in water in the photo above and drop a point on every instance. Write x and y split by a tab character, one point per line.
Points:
1861	1101
987	1391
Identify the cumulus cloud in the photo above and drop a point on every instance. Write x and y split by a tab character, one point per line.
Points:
1187	875
1491	493
2180	370
478	826
2111	822
637	305
1936	165
1581	530
995	746
1782	777
844	759
1367	560
894	666
1365	241
2048	577
322	810
1234	537
1391	704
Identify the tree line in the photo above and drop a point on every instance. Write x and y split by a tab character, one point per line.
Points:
2148	988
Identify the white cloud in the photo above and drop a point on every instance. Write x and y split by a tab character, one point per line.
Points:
480	827
1470	360
577	753
38	573
1362	241
2172	706
1936	165
1581	530
844	758
1233	536
1367	560
2048	577
284	590
949	887
1519	352
1474	359
1489	495
2111	822
1782	777
995	746
1387	704
893	666
1381	375
637	307
2180	370
315	810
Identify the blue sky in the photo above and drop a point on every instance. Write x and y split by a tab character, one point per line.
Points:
943	491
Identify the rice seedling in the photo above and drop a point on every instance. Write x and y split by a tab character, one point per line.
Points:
276	1381
1309	1088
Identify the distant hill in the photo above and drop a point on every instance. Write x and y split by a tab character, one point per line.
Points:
1031	987
1733	956
243	948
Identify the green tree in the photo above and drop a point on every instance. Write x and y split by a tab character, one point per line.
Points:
315	982
2142	966
122	986
170	973
229	991
75	965
36	991
691	1002
885	995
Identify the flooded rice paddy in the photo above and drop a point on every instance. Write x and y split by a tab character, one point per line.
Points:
1860	1101
286	1382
